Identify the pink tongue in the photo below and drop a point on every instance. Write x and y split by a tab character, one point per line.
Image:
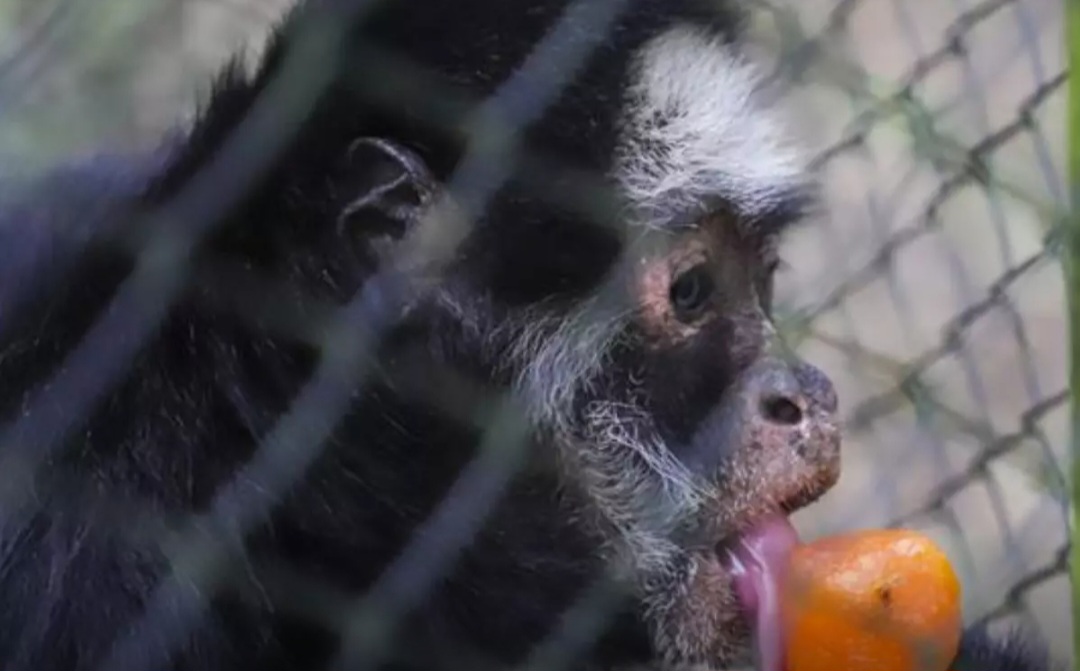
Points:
756	563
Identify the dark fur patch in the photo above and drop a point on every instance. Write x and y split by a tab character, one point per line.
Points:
1017	650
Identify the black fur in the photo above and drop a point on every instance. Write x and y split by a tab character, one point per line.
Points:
80	552
1017	650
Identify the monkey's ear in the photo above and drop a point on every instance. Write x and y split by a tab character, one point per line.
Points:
381	188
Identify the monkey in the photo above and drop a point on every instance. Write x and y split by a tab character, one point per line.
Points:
442	338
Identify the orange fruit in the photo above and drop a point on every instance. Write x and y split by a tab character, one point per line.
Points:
878	600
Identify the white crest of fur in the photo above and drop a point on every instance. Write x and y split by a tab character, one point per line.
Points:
694	132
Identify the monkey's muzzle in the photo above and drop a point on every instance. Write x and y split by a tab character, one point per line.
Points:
782	451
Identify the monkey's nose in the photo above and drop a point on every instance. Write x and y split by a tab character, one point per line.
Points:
790	406
782	407
788	391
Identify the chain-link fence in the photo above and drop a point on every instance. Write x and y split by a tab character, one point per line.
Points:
937	298
930	289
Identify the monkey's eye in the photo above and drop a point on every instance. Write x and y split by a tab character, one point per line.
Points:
691	291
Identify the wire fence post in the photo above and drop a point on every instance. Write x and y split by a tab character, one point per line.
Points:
1072	258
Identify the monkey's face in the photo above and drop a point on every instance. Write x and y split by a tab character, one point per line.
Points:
689	436
694	437
681	431
751	433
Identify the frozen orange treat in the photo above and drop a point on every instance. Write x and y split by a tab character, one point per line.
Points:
878	600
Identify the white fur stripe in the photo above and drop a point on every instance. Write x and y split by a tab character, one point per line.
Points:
693	132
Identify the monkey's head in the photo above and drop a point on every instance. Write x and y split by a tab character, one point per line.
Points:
619	282
640	340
